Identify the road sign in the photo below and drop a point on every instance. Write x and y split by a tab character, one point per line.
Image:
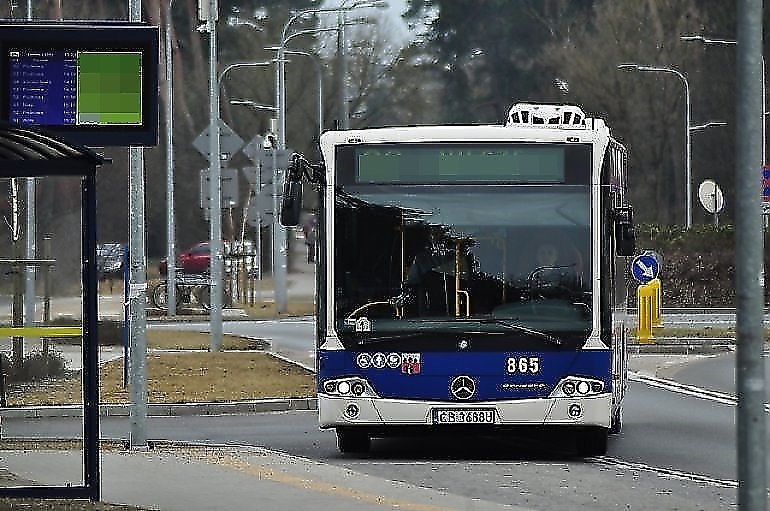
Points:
229	141
229	179
261	207
251	173
254	149
645	267
256	152
711	197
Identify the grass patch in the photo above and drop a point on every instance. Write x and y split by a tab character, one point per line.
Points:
185	378
267	310
179	340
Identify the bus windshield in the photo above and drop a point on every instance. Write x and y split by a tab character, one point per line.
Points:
505	266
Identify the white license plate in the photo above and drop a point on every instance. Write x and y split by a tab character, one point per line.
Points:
463	416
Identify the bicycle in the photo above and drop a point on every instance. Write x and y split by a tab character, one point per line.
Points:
190	289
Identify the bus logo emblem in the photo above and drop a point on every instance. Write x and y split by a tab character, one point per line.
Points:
463	387
364	360
394	360
379	360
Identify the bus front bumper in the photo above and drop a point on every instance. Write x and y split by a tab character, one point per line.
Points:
334	411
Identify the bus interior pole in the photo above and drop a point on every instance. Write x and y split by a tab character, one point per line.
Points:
749	371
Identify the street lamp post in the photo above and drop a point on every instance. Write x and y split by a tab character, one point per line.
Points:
319	74
731	42
688	141
257	185
279	233
170	221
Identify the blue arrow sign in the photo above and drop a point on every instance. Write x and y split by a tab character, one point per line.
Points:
645	267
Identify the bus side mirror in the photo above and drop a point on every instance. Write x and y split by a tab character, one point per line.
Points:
625	237
291	203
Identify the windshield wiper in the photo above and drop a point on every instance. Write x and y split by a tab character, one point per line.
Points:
520	328
389	337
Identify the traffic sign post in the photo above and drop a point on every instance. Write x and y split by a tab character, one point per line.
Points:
260	210
229	188
229	142
645	267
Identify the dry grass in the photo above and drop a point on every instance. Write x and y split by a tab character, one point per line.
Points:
267	310
179	340
193	376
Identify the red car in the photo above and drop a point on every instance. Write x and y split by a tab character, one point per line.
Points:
195	259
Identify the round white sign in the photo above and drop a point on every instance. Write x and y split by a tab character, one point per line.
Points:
710	196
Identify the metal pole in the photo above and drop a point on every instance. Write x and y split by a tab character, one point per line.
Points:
137	296
750	376
170	223
688	145
279	232
215	218
342	71
688	151
30	298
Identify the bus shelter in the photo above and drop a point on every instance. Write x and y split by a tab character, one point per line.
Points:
65	177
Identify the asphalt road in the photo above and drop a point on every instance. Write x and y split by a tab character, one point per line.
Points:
676	451
717	373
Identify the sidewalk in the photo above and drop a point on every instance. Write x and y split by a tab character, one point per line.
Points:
173	477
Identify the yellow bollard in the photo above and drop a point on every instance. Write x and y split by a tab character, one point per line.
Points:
644	298
657	322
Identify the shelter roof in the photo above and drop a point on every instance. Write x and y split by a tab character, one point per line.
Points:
31	151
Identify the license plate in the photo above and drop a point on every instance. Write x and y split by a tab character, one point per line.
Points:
463	416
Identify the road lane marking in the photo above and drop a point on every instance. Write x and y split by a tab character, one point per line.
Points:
220	457
666	472
687	390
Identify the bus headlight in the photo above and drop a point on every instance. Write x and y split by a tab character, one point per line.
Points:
579	386
349	387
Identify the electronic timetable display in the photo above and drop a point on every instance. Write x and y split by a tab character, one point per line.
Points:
94	84
75	88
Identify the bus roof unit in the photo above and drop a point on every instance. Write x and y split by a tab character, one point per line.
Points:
546	116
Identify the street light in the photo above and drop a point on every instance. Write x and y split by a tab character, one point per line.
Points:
279	241
252	104
170	221
319	73
688	146
731	42
709	124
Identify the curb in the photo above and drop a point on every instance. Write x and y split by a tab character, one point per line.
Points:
167	410
683	346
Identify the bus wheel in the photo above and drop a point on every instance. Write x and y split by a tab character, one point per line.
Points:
617	421
592	441
352	440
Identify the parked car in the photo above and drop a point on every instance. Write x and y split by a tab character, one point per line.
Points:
195	259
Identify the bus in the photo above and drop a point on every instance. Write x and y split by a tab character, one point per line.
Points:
472	279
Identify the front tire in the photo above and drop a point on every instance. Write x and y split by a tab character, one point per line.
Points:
617	421
352	440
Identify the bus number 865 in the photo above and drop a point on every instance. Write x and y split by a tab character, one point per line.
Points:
523	365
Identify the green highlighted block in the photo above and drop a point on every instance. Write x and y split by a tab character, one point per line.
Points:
109	88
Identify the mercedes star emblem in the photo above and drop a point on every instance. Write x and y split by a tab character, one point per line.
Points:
463	387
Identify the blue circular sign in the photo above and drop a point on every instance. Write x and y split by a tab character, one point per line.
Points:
645	267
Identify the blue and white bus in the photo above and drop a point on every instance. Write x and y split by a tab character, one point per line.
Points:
473	278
